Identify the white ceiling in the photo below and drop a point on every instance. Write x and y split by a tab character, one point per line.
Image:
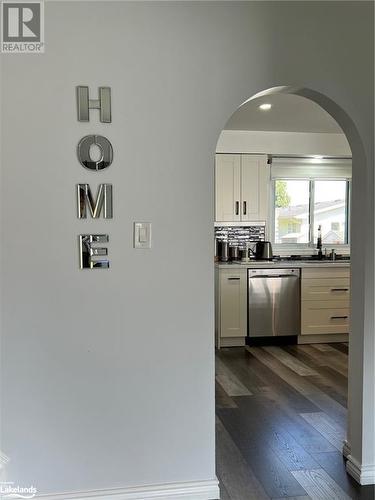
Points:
289	113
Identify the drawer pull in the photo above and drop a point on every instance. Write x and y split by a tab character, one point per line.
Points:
237	207
339	317
339	289
233	279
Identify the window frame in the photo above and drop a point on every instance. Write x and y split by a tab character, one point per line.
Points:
310	245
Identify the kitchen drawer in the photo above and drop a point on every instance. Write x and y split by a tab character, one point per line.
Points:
326	289
325	272
326	317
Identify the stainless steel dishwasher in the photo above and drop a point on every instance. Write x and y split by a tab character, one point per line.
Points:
273	302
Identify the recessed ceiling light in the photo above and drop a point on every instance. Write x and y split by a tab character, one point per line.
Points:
265	107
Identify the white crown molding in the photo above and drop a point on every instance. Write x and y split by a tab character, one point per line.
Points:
363	474
194	490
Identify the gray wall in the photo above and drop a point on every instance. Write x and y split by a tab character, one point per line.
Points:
108	375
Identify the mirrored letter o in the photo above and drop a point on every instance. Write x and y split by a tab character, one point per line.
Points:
105	147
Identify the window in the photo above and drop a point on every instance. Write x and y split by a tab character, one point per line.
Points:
301	206
330	211
292	211
308	193
293	227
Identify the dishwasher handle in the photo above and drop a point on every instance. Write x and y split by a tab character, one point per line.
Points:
274	276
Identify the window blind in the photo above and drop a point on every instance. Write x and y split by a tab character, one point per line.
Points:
311	168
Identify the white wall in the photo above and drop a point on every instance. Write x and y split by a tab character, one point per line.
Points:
282	143
107	376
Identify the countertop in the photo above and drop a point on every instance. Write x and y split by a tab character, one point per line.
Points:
283	264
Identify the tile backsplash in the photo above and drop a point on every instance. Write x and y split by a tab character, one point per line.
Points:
240	235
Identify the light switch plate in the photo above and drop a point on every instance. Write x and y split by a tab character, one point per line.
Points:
142	234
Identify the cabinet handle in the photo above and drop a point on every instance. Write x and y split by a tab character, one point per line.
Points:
244	208
233	279
339	289
237	207
339	317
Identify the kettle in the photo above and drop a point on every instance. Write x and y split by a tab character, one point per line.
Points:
263	250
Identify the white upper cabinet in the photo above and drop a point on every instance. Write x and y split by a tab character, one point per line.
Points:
227	187
242	186
254	188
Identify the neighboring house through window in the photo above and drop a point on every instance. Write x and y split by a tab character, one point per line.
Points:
304	200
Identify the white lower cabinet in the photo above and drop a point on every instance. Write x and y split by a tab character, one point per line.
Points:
325	317
231	307
325	301
325	305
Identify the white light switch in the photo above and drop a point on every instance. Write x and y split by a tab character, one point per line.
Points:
142	234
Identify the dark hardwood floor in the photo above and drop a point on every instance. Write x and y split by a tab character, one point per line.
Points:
281	421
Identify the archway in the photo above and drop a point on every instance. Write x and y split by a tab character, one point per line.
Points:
359	445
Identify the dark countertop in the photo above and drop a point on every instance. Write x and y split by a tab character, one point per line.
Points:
283	264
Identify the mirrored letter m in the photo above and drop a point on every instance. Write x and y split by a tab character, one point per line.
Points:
103	201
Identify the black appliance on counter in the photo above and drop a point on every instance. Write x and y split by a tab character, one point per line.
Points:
263	250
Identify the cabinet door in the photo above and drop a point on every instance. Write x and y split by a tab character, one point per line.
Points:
254	187
227	188
233	305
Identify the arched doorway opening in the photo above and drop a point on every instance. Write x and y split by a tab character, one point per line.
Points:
353	446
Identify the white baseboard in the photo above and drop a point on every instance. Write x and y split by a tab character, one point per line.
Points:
194	490
363	474
232	341
346	449
322	338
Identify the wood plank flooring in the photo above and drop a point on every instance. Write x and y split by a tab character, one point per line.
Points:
281	421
